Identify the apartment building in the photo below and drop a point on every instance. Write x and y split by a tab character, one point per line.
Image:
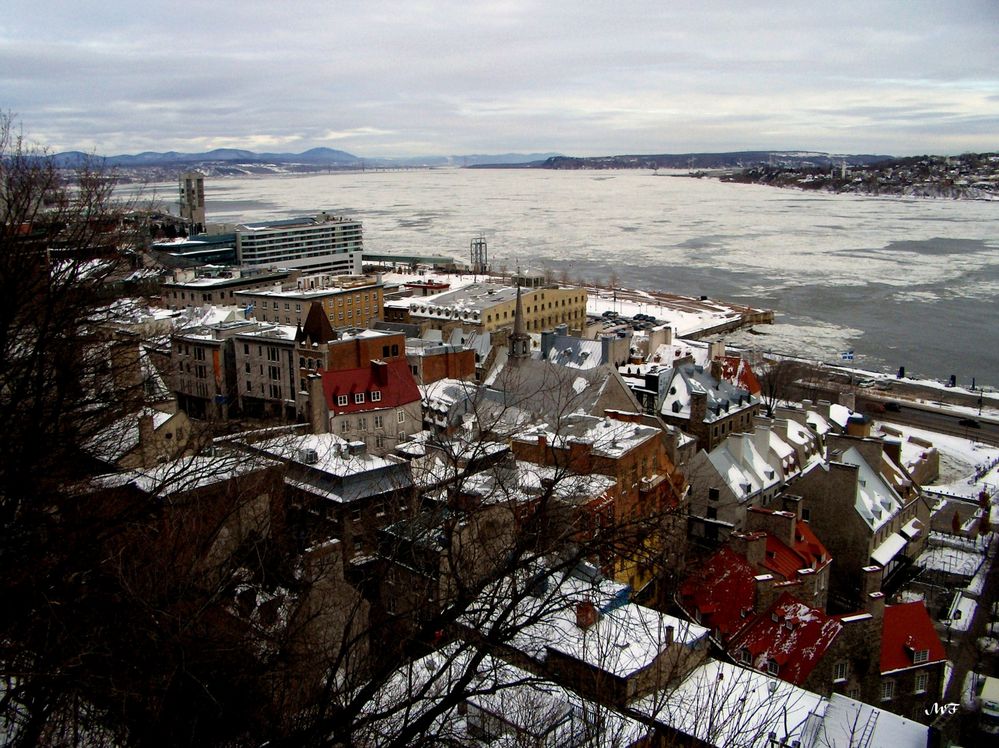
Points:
346	300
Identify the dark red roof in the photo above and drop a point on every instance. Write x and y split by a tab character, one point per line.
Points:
790	633
907	630
392	380
721	591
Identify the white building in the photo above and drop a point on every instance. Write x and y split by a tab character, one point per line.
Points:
320	244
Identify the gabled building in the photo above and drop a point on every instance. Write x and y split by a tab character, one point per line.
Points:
704	406
378	404
861	518
912	663
788	640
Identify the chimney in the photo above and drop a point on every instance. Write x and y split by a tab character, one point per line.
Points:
562	330
871	582
319	414
715	368
752	546
791	503
716	350
547	341
606	349
380	369
586	614
737	446
761	436
779	524
579	456
875	605
698	408
766	592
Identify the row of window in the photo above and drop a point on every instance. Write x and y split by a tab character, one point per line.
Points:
344	400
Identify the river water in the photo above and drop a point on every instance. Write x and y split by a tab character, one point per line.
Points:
911	282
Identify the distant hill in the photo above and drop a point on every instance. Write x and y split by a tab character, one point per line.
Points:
233	161
698	161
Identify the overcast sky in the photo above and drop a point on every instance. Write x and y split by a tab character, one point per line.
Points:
579	77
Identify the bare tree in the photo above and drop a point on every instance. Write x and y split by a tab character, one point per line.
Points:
776	378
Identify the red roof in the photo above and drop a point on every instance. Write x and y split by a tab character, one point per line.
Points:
721	591
737	371
908	630
392	381
791	634
808	553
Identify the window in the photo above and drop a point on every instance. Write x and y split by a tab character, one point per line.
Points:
376	396
362	424
888	690
712	512
772	667
378	422
712	494
379	441
745	657
839	672
358	397
274	372
345	426
341	400
247	367
921	680
806	514
402	417
920	656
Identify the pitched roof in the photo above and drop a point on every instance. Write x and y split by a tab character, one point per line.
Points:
907	630
720	591
807	553
686	379
317	328
791	634
396	387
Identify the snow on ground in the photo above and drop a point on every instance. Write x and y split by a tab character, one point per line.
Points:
967	608
959	461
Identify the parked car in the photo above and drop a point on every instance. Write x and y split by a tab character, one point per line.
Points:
892	407
865	383
970	423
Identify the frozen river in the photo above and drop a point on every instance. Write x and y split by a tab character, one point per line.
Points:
911	282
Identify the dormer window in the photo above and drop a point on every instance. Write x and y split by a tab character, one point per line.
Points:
376	396
341	400
772	667
358	397
919	656
745	657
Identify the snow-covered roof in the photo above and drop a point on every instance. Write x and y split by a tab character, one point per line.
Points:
122	436
845	717
745	471
606	436
726	705
876	501
687	380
